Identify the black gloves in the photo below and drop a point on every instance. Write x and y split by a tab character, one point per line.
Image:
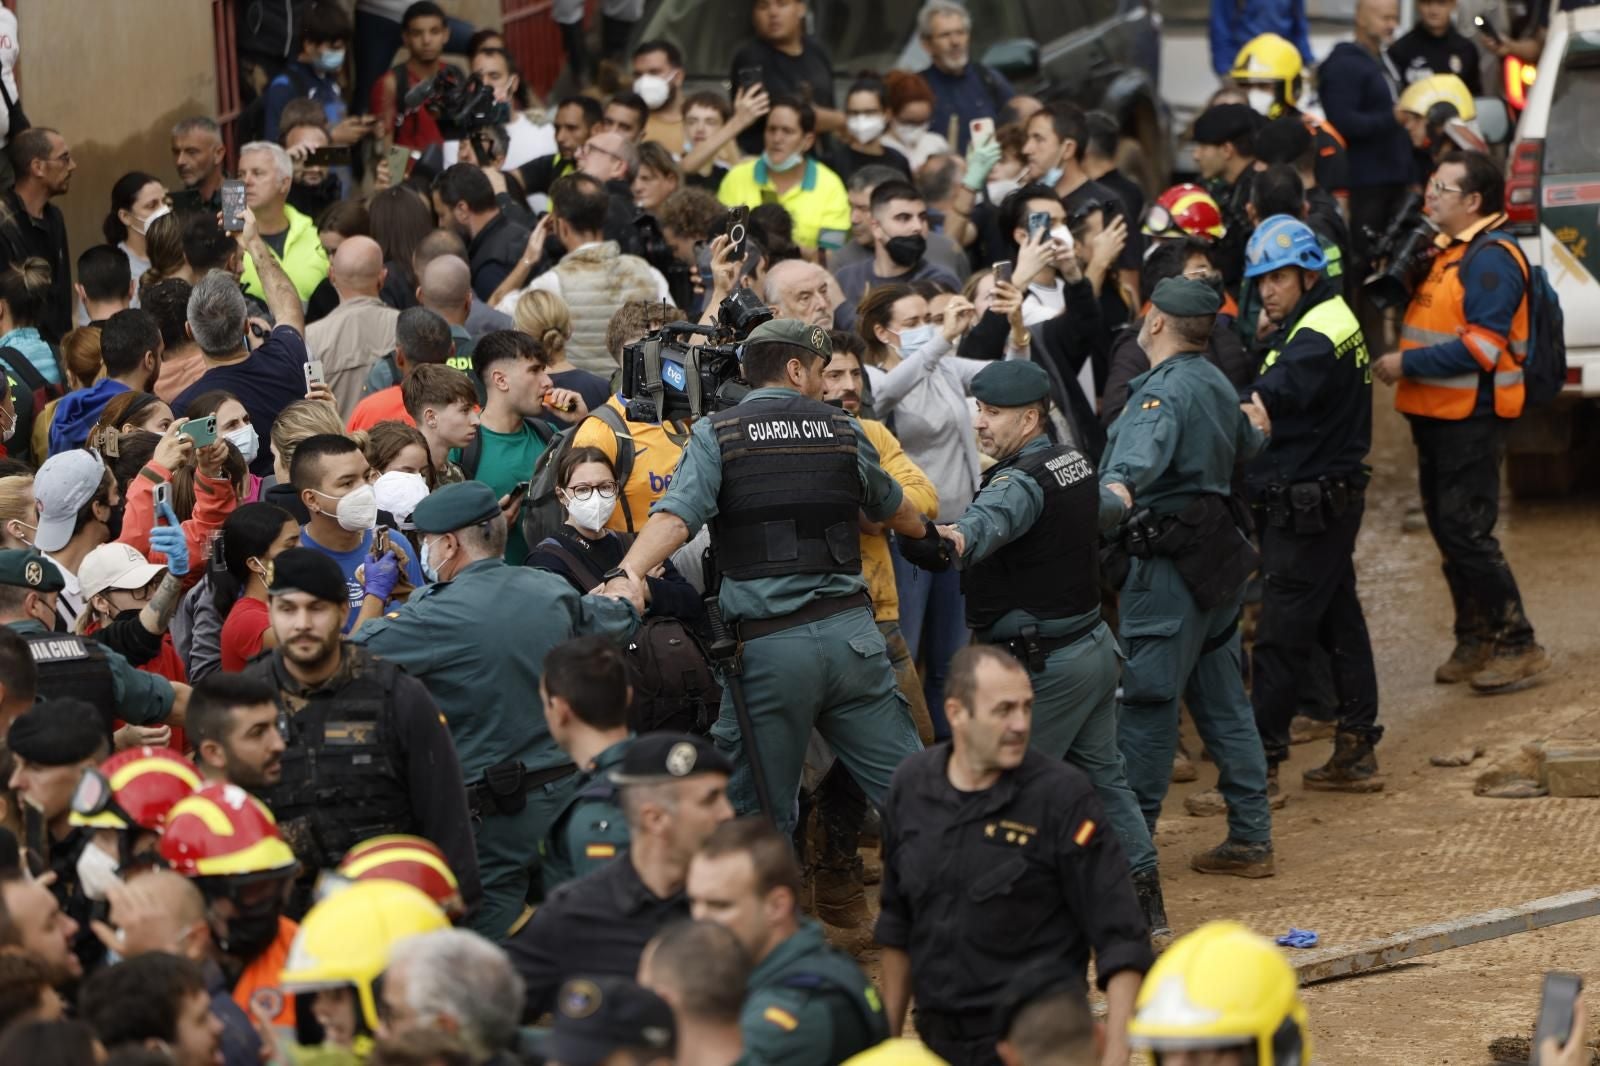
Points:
929	552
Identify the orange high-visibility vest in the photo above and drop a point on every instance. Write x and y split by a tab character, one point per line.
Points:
1436	315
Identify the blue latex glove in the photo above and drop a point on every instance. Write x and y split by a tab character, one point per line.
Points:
1298	938
981	158
380	575
170	541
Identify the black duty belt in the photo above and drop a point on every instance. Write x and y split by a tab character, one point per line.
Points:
815	611
504	786
1031	650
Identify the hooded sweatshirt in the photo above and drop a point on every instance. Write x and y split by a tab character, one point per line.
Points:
1359	97
77	413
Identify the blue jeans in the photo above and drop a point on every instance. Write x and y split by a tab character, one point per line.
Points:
1167	638
933	616
377	41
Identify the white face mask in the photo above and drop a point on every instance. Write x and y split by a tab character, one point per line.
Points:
142	225
908	133
357	512
97	871
1261	100
915	338
865	128
653	89
592	513
247	440
998	190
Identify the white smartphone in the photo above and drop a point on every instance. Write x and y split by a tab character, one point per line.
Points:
314	373
981	129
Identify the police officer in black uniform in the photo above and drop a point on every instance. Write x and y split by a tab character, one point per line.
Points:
366	749
52	744
674	793
996	856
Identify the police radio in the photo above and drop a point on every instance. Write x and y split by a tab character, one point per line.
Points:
667	379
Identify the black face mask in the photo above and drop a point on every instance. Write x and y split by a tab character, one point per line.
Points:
114	523
249	935
907	251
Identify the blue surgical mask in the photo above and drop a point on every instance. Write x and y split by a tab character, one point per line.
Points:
916	338
332	60
779	166
1051	176
427	562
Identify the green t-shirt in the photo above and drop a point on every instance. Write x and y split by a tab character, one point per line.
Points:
504	460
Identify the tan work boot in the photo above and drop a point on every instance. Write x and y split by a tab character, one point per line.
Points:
871	868
1303	729
1237	858
1183	770
1351	768
841	905
1467	659
1510	666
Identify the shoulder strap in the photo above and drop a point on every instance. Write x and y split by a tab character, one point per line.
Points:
581	568
470	456
25	371
624	463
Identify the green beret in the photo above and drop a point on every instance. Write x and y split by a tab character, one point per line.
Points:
1012	383
452	507
27	569
1186	297
813	339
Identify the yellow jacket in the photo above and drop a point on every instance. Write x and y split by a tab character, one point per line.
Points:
876	564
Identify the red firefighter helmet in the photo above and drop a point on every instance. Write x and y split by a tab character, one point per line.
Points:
223	831
412	860
1182	210
134	789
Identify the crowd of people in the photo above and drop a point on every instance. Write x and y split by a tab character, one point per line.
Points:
409	639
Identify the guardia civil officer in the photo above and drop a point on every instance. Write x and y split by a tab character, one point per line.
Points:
1164	485
1028	548
995	858
70	666
467	637
782	479
1309	485
809	1004
366	751
585	691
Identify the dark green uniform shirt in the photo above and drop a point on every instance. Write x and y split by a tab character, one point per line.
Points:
142	698
1177	439
809	1004
478	643
692	496
1005	509
590	831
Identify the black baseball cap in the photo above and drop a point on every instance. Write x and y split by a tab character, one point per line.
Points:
598	1016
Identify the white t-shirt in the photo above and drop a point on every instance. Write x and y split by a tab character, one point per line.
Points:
9	49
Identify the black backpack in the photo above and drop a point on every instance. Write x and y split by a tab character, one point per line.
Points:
1544	371
674	688
542	515
30	392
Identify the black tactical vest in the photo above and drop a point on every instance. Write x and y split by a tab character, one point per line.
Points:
76	668
1052	570
342	779
791	490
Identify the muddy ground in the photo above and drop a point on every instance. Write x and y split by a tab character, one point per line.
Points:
1426	849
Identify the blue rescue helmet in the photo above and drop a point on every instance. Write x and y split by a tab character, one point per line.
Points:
1283	241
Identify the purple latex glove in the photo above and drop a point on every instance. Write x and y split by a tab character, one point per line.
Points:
380	575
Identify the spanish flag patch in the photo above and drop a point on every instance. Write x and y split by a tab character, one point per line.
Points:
1085	833
600	851
781	1018
1149	404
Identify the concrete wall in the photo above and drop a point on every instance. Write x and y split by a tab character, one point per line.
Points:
113	76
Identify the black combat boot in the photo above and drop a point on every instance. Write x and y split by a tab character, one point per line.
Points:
1352	768
1147	883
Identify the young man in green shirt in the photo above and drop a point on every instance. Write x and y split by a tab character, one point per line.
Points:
513	432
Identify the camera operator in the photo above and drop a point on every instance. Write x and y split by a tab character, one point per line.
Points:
1458	379
1310	487
781	478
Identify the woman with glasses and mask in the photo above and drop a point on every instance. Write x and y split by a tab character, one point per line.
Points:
584	549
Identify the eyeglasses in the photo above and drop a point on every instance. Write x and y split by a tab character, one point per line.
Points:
587	147
65	159
1441	188
606	489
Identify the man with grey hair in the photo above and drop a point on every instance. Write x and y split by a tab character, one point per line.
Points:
801	290
942	250
454	981
701	970
962	90
289	236
467	642
272	376
198	154
360	331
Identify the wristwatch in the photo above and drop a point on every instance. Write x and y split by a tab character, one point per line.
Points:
614	573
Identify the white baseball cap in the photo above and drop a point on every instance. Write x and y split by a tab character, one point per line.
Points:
115	566
65	482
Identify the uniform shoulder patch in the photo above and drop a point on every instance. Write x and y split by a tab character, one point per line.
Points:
1085	833
781	1018
1148	404
600	851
